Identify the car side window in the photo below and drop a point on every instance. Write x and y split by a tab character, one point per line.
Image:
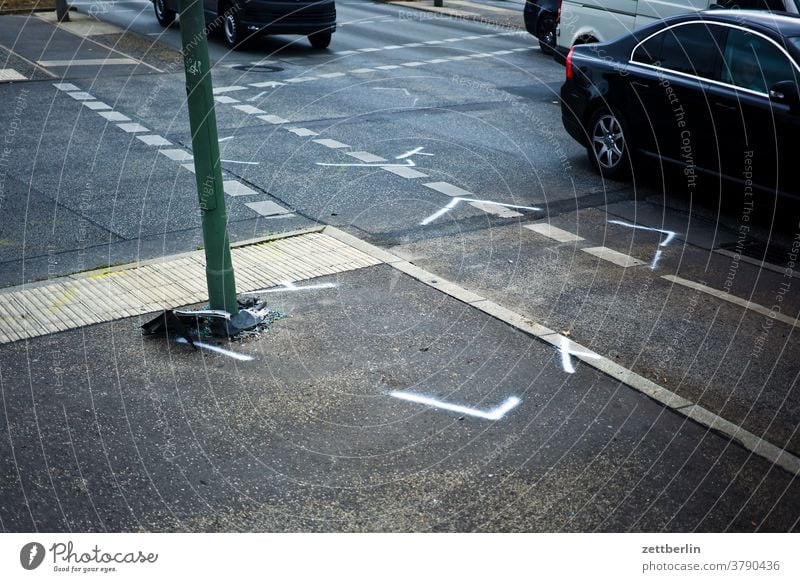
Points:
752	62
690	48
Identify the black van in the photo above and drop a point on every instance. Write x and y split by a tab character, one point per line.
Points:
242	19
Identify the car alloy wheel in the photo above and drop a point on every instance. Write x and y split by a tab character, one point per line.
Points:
607	147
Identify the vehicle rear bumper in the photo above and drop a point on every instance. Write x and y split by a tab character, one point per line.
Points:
573	108
289	17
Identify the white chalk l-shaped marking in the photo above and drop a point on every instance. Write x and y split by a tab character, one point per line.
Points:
495	414
566	352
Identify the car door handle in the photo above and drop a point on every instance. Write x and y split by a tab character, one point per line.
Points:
726	106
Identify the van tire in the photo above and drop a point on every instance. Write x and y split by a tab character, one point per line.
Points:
164	15
546	33
321	39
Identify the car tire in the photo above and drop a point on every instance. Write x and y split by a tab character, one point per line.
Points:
608	149
321	39
164	15
546	33
232	28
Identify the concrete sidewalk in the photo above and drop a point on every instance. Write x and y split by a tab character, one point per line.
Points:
386	400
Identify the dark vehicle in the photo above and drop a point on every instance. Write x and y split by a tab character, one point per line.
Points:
540	21
243	19
712	93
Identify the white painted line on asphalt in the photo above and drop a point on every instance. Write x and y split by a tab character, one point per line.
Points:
473	37
218	350
236	188
81	96
460	58
249	109
220	140
66	87
392	47
12	75
413	64
88	62
96	105
189	167
273	119
302	131
389	67
760	264
225	99
240	162
113	115
613	256
404	171
267	84
331	143
132	127
434	42
413	44
268	208
228	89
494	414
760	309
299	79
553	232
154	140
345	52
330	75
488	206
502	52
177	155
567	351
452	40
437	61
366	157
369	50
448	189
364	70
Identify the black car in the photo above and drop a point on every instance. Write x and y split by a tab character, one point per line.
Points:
242	19
711	93
540	21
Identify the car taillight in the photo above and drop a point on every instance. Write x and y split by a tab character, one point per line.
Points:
569	64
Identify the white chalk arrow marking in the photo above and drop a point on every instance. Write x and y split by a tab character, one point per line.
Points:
217	349
566	352
494	414
671	234
414	152
454	202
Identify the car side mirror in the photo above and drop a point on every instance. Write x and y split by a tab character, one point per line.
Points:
785	92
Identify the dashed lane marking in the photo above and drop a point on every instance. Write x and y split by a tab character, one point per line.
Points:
267	208
331	143
249	109
11	75
88	62
132	127
96	105
613	256
404	171
366	157
448	189
273	119
550	231
154	140
177	155
113	116
228	89
302	131
225	99
236	188
760	309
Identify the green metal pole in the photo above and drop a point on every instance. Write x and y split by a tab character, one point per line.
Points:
205	146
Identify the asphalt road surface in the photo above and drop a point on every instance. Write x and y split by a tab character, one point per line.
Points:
436	138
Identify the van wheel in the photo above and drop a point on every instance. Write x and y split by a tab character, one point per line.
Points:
164	15
547	34
232	28
321	39
608	149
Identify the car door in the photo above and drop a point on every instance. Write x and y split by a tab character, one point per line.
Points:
676	66
757	129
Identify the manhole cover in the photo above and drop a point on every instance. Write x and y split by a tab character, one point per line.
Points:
258	68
